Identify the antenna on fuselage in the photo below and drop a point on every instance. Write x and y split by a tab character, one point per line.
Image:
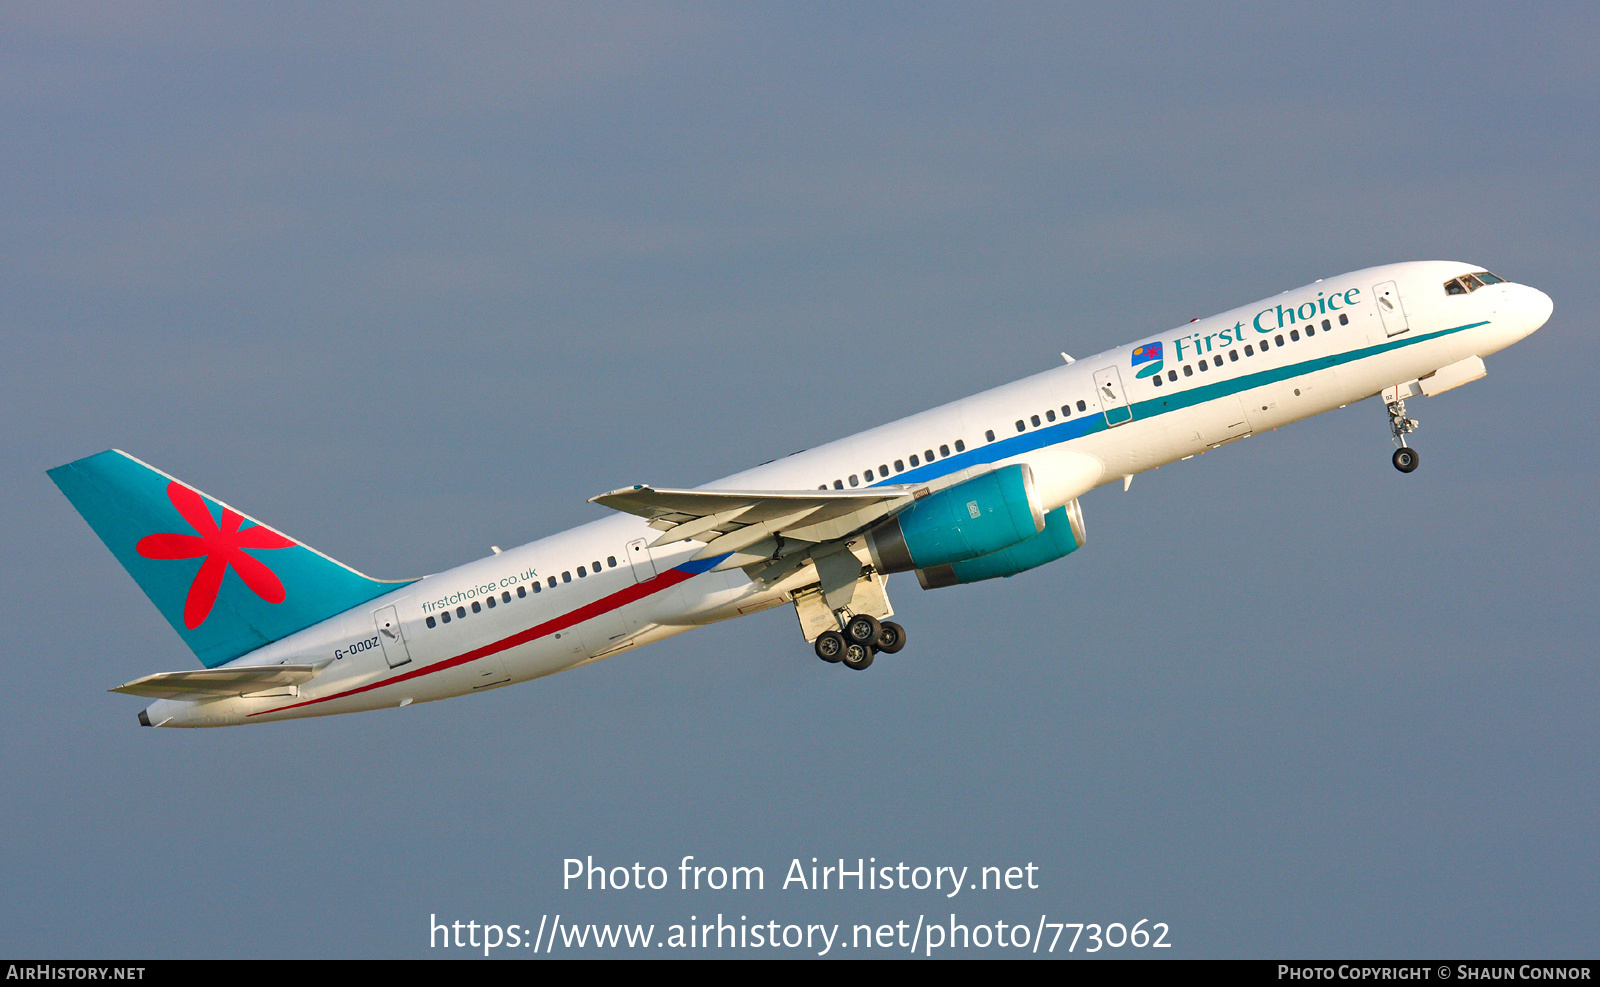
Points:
1067	358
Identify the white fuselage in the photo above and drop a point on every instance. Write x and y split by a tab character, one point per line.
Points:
1077	426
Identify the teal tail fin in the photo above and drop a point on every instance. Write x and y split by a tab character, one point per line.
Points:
227	583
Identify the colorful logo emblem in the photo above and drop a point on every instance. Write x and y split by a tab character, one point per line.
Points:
1149	353
223	547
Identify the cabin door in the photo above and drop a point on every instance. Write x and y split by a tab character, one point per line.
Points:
1391	308
391	637
1113	401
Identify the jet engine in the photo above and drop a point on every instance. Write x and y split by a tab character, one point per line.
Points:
1062	535
971	519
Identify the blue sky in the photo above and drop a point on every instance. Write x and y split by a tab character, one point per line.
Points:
408	281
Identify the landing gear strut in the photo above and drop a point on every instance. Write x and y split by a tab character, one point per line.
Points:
1400	426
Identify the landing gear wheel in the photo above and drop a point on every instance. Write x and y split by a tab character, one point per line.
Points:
891	637
1405	459
863	629
857	656
830	646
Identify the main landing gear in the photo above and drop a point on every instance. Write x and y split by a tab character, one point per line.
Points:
861	639
1405	458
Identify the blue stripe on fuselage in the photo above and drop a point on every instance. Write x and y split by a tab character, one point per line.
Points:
1162	404
696	566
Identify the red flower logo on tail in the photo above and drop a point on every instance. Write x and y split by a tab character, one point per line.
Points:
223	546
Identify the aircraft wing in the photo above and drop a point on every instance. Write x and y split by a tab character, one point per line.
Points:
758	527
212	683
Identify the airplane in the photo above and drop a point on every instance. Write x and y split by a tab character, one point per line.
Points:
981	488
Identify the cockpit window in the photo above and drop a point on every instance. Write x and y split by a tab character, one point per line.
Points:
1470	282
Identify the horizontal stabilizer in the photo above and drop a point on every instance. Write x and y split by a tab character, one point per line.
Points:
216	683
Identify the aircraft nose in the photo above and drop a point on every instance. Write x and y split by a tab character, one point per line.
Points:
1536	307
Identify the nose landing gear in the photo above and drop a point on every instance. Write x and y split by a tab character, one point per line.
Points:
1405	458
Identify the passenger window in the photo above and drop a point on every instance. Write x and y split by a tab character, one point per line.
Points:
868	476
596	567
1082	406
1326	325
838	484
1156	380
582	572
1050	415
445	616
1279	340
927	454
1035	420
961	446
1233	356
553	582
1172	375
505	596
1294	335
944	451
1188	371
1066	411
1248	351
489	601
854	480
477	607
1311	330
611	561
1021	425
432	622
989	435
883	471
1344	320
899	466
522	591
566	577
1202	366
914	462
461	611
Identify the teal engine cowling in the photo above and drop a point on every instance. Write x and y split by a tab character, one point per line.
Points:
1062	535
974	518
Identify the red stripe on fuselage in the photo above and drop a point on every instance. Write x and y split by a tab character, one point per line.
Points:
621	598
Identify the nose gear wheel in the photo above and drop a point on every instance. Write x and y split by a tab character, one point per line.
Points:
1405	458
